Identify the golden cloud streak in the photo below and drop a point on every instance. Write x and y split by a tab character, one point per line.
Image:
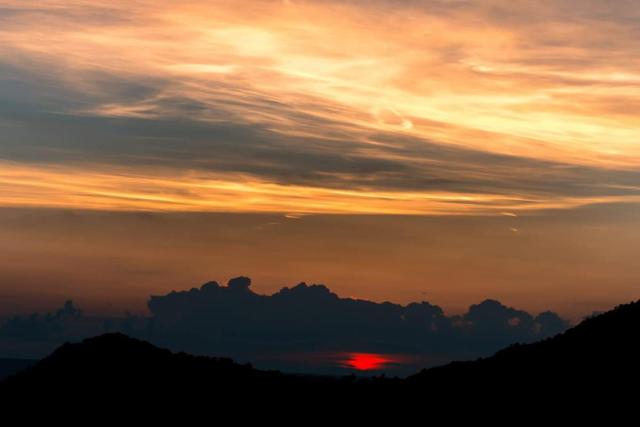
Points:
77	188
458	78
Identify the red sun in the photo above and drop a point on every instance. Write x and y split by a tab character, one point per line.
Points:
366	361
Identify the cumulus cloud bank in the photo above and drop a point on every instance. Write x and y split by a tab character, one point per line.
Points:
303	319
312	318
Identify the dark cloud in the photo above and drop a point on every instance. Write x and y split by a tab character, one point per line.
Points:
491	321
233	320
40	327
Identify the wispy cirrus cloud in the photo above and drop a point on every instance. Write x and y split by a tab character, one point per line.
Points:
124	190
412	107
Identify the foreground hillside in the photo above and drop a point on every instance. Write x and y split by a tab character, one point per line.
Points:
115	364
599	356
601	353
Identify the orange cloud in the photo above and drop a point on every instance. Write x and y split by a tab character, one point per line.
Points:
126	190
522	85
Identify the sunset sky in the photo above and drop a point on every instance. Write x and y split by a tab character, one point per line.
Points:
446	150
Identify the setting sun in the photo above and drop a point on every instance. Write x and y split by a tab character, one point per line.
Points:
367	361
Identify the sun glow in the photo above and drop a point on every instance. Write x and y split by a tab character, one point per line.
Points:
367	361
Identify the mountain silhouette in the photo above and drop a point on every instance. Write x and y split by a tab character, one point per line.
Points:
600	357
114	359
114	363
601	353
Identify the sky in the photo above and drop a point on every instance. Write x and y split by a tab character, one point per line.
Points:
448	150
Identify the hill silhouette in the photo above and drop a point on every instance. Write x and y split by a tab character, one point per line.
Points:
602	353
115	363
598	357
113	359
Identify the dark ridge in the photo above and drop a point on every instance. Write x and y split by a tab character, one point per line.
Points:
600	357
598	354
10	367
116	363
115	359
